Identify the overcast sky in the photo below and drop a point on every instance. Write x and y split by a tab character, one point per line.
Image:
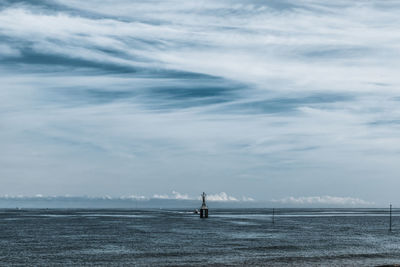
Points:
269	100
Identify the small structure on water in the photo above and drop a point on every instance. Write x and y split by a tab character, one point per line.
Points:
390	218
204	208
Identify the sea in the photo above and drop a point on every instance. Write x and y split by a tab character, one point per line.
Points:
169	237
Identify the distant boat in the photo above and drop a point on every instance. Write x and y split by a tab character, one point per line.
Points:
196	211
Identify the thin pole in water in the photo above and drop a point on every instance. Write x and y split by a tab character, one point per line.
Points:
390	218
273	215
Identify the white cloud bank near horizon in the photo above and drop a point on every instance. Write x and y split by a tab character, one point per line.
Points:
324	200
327	201
262	99
218	197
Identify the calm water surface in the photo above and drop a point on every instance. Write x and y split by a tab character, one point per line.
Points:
177	237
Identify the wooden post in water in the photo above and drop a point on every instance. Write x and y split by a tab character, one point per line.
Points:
273	216
390	218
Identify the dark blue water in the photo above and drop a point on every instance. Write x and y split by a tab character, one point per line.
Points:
176	237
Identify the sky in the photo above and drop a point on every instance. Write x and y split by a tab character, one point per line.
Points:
285	101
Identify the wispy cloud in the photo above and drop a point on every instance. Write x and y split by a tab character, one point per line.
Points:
246	97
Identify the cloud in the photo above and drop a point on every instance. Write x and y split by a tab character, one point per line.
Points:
8	51
178	195
161	196
224	197
323	200
248	199
219	197
246	96
134	197
175	195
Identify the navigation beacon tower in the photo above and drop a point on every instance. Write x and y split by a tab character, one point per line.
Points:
204	208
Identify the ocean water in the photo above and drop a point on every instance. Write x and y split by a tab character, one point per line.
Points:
300	237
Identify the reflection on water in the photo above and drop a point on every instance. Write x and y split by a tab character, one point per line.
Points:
177	237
